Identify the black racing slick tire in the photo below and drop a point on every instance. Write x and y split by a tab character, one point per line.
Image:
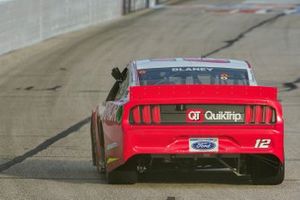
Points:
264	174
93	145
125	174
122	177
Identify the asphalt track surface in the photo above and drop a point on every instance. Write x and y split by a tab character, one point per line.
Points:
47	92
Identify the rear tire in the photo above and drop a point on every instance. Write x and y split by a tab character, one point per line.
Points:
93	143
122	177
125	174
263	173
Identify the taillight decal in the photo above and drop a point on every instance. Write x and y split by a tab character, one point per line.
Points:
258	114
248	114
146	114
268	115
136	115
155	112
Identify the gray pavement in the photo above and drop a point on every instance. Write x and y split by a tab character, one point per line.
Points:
47	91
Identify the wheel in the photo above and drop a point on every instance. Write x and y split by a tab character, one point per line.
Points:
260	178
93	143
122	177
125	174
266	172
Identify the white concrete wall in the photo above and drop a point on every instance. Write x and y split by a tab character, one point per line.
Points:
138	4
24	22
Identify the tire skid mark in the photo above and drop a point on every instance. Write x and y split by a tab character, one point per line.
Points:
93	91
171	198
230	43
44	145
289	86
31	88
53	88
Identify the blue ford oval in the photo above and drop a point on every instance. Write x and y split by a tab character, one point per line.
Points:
203	145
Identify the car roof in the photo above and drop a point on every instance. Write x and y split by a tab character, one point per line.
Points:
190	62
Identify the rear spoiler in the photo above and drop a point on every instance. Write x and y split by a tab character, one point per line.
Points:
188	92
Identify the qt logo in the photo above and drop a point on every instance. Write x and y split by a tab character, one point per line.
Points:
194	115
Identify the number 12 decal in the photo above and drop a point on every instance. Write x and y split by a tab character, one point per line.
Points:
262	143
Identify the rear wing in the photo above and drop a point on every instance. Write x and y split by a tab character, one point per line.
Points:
200	92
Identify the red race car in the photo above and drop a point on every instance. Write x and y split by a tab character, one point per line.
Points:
188	113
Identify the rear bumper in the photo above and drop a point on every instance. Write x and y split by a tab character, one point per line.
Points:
175	140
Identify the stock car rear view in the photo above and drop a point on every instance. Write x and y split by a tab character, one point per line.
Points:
198	114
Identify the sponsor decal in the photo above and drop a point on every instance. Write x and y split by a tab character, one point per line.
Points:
111	160
207	145
194	115
203	144
199	115
192	69
223	116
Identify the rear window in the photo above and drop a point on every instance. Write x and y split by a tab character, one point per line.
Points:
193	76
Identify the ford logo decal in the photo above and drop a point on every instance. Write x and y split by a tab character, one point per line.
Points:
206	145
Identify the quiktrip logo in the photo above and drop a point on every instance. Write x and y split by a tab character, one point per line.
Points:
223	116
194	115
199	115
